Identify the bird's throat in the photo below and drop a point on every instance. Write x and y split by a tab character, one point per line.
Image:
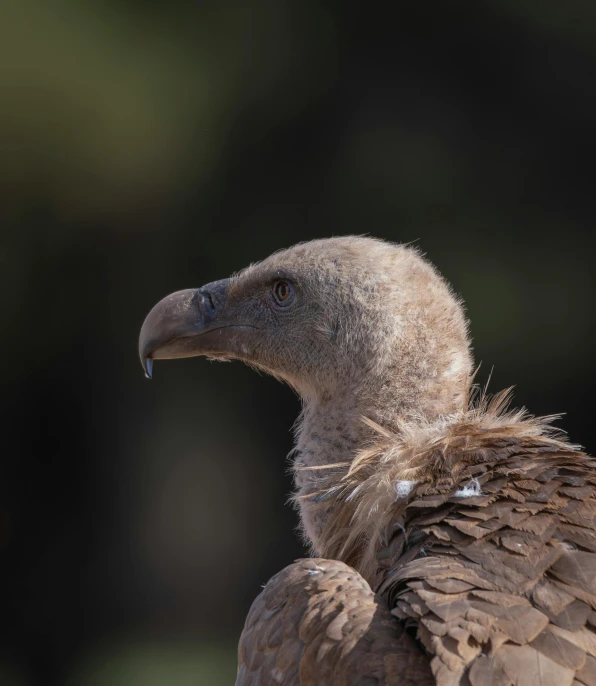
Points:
327	439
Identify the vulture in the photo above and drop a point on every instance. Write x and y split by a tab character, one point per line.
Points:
452	538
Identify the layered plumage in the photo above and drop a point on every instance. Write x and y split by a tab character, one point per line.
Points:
478	535
455	540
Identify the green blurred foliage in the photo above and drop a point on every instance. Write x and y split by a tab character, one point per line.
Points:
106	106
158	664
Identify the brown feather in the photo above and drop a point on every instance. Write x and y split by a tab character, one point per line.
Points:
500	591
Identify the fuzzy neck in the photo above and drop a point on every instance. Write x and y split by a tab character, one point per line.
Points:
334	428
325	435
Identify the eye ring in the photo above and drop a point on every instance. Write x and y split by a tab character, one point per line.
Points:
283	293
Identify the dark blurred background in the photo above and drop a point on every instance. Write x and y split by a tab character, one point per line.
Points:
147	147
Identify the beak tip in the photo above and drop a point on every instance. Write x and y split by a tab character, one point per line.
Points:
148	366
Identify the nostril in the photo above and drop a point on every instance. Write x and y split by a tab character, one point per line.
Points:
211	299
208	304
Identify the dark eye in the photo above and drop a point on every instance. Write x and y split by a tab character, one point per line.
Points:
283	292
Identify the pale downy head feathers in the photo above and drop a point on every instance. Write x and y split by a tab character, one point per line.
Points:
370	318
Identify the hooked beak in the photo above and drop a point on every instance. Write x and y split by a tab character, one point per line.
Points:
189	323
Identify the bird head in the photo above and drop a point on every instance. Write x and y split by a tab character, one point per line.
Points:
346	315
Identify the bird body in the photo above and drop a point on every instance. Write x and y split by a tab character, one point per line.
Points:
454	540
487	556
